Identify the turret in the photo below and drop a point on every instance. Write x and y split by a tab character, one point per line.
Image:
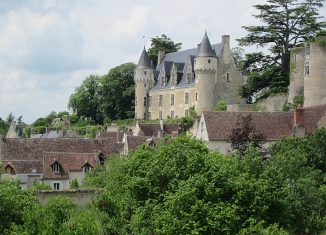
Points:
144	81
205	70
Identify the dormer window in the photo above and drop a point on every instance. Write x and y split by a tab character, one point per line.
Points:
162	81
87	167
9	170
101	159
189	77
56	168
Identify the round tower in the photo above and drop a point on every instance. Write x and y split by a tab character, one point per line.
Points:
205	69
144	81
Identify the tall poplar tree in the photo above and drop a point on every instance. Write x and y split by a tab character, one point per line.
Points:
286	23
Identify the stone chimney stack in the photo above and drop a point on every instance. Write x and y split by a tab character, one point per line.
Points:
160	57
226	39
299	129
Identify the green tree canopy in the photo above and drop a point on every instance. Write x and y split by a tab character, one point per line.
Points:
85	101
285	24
162	43
118	92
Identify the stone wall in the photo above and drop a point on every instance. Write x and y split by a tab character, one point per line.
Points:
79	197
272	103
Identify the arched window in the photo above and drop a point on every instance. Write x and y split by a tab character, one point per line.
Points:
56	167
10	170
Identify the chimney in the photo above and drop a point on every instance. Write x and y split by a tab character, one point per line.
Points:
226	39
198	45
160	57
299	129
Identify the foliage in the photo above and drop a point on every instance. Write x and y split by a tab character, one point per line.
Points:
162	43
3	127
118	92
40	186
186	123
238	54
221	106
94	178
14	201
85	101
244	134
74	184
297	100
286	24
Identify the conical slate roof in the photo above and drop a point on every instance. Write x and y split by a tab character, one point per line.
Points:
144	61
205	48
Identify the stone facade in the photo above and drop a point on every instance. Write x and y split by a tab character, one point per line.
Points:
308	73
198	78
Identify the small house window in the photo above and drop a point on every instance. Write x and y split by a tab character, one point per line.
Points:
87	168
56	186
172	99
186	97
101	159
56	167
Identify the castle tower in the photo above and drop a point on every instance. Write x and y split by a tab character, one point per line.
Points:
144	81
205	69
315	73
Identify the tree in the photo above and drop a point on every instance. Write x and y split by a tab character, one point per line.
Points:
162	43
287	23
221	106
118	92
244	134
85	101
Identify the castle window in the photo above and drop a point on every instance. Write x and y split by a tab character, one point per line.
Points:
149	101
209	61
306	70
196	96
172	114
307	51
56	186
186	97
149	115
144	84
186	112
160	100
189	77
172	99
161	115
227	77
145	72
145	101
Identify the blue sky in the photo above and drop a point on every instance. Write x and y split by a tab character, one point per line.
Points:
47	47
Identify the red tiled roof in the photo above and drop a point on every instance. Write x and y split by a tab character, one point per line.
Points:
135	141
154	129
318	110
68	162
114	135
272	125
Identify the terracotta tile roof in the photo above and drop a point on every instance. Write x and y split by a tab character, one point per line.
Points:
68	162
135	141
154	129
22	152
272	125
114	135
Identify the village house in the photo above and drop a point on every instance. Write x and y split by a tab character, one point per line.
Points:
55	161
215	127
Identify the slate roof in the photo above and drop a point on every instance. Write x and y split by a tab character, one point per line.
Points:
57	134
205	48
144	61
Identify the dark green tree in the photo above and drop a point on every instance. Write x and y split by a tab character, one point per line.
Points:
162	43
118	92
286	23
85	101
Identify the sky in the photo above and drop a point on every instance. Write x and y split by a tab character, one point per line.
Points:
47	47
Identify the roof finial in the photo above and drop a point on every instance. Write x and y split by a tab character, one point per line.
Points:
144	40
